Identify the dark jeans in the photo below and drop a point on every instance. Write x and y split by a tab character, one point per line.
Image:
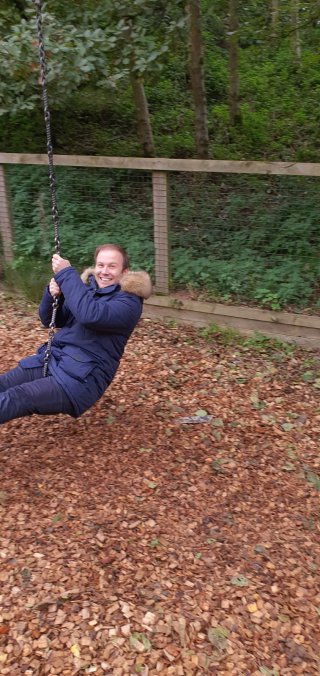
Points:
25	391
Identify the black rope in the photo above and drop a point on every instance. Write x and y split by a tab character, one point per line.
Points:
52	182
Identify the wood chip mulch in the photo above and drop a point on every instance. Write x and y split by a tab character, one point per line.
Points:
132	542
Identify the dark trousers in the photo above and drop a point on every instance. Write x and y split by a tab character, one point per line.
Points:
25	391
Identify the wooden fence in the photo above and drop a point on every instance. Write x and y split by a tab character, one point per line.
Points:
302	328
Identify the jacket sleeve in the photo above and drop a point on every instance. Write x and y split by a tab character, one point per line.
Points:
45	310
120	314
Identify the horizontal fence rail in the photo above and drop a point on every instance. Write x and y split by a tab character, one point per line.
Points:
164	164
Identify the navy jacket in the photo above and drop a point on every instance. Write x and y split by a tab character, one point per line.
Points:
94	326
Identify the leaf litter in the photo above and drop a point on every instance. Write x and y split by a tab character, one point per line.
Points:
151	547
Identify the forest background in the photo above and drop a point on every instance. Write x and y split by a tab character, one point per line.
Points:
173	78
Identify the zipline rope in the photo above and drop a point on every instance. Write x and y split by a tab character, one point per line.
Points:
52	183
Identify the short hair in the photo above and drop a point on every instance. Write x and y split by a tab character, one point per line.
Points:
115	247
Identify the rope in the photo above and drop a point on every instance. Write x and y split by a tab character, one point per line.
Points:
52	183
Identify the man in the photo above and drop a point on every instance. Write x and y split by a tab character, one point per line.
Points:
96	315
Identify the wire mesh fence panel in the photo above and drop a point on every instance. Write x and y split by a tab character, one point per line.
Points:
95	206
253	239
246	238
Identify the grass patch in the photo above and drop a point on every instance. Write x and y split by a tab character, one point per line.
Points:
257	342
28	277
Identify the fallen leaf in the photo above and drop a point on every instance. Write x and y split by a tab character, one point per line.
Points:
252	607
239	581
139	642
218	637
75	650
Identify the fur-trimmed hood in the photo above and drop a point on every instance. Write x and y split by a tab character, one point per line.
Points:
137	282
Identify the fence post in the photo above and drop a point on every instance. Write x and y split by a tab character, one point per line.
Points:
5	223
161	231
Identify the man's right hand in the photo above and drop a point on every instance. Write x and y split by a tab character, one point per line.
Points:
54	288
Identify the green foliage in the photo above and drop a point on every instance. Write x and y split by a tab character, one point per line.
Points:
247	238
28	276
224	335
101	44
76	51
312	478
90	56
256	342
94	208
243	239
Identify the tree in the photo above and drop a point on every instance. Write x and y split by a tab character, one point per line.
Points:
98	78
142	31
233	62
74	53
197	78
274	19
131	51
100	43
144	127
295	32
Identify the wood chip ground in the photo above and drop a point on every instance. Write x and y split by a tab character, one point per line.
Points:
132	543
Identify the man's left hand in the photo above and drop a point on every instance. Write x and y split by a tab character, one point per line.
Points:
59	263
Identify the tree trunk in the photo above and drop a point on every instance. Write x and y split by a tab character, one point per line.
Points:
295	35
20	5
197	78
233	63
274	19
143	118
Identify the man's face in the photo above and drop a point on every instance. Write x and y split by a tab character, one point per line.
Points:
108	268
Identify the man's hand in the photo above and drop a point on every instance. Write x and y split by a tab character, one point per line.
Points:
54	288
59	263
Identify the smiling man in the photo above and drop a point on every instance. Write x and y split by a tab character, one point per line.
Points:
110	264
96	315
